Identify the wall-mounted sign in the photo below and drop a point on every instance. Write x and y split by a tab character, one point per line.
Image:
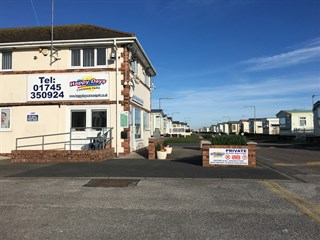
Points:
32	117
228	156
124	119
137	100
57	87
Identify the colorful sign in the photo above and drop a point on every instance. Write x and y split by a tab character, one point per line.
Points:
58	87
228	156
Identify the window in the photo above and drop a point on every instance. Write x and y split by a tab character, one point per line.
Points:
134	66
75	57
303	121
6	60
137	122
88	57
101	57
146	78
5	119
78	120
99	119
146	121
283	122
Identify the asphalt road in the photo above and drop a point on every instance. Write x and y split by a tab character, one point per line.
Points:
185	162
50	201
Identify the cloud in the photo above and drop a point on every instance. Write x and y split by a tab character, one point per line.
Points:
205	104
309	53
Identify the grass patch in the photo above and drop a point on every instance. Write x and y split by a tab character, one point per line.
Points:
188	139
228	140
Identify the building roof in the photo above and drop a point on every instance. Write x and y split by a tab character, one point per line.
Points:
67	32
296	111
26	36
156	110
293	111
316	105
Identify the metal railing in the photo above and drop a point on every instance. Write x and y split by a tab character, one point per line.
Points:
103	135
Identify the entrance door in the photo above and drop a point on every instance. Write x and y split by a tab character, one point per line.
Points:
86	123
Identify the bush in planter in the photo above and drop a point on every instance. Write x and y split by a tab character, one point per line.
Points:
167	147
228	140
165	143
161	152
158	147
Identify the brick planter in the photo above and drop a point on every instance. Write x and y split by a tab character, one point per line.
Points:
251	155
152	147
59	156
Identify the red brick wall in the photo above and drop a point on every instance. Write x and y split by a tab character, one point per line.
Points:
152	147
251	155
58	156
125	103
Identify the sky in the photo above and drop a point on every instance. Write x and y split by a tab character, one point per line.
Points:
217	59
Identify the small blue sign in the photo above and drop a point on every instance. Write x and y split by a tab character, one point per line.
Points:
32	118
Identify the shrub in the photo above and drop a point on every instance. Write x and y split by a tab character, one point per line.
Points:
228	140
158	147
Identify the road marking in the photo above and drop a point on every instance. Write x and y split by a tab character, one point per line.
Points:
297	164
310	209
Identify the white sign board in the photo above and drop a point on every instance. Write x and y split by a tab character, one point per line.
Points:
228	156
72	86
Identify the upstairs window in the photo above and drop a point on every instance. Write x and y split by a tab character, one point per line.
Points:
303	121
134	65
6	60
89	57
146	78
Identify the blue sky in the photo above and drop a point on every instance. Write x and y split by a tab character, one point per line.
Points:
214	57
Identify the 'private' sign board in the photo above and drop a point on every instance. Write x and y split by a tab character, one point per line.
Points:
228	156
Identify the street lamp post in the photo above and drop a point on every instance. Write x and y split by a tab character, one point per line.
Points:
254	119
163	98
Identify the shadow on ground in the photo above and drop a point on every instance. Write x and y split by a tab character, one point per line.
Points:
184	162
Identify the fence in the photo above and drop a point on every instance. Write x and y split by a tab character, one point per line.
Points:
92	138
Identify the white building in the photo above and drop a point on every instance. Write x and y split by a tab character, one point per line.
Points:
181	129
234	127
157	121
255	125
295	121
87	80
271	126
244	126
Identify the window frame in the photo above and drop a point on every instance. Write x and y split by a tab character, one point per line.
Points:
304	119
1	61
146	121
99	128
77	128
88	109
137	131
95	57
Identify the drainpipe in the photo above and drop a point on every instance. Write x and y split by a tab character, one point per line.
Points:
117	100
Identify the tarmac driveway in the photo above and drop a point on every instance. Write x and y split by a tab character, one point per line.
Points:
185	162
